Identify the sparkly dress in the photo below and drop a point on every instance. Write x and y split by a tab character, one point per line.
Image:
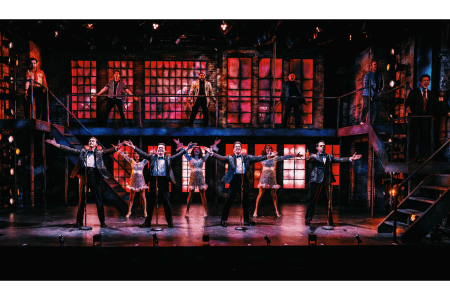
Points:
197	180
268	179
137	181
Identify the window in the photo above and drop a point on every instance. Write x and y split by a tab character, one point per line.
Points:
126	75
170	78
336	151
239	110
119	173
258	166
294	169
4	71
304	74
187	171
84	83
168	152
265	86
229	151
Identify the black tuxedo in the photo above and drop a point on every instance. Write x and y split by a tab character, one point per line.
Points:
421	127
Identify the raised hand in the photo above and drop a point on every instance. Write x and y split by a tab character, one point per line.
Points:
52	142
179	145
272	154
299	155
208	150
190	145
119	145
152	152
356	157
128	143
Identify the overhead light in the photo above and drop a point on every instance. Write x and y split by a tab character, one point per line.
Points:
89	26
11	200
11	171
155	26
413	218
392	192
223	26
10	45
56	33
11	139
388	67
9	112
394	83
392	51
350	37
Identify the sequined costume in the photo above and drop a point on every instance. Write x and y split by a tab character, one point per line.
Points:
137	181
197	180
268	179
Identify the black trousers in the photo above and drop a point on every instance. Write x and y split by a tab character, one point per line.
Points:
420	128
40	99
200	102
316	188
292	103
233	191
93	183
163	197
109	105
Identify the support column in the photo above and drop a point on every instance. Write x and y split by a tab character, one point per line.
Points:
44	171
273	80
352	174
32	168
370	175
66	179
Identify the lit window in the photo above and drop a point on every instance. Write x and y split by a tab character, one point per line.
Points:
126	75
304	74
265	86
336	151
84	83
187	171
258	166
170	78
239	110
4	71
229	151
294	169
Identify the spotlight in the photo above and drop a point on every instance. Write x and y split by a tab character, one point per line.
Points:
224	26
11	200
388	67
97	238
205	239
11	171
413	218
89	26
9	112
11	139
392	192
312	238
358	239
61	240
350	37
394	83
315	35
56	33
155	26
268	241
155	240
17	151
392	51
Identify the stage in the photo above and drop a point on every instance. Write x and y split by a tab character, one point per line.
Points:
31	238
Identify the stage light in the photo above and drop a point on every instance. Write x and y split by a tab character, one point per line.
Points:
11	200
358	239
5	60
268	241
61	240
0	136
205	239
392	83
155	240
56	33
89	25
389	140
315	35
177	41
388	67
9	112
97	238
392	51
350	37
11	171
17	151
11	139
10	45
155	26
413	218
312	238
223	26
392	192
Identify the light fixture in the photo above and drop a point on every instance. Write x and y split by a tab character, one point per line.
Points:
155	26
223	26
413	218
350	37
17	151
358	239
11	200
11	139
177	41
268	241
312	238
155	240
151	39
11	171
388	67
9	112
97	238
5	60
392	51
392	192
89	26
315	35
10	45
56	33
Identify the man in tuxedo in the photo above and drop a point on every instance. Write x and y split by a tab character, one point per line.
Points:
90	163
160	172
201	87
292	90
321	175
422	102
237	175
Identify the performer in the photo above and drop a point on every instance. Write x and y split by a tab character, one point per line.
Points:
137	182
90	162
268	179
39	91
319	176
197	180
375	79
160	171
292	89
238	168
200	87
422	102
116	89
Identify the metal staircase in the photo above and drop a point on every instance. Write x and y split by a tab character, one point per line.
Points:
422	210
115	194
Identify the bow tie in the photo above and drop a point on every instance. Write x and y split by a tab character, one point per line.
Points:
238	156
160	158
91	151
322	154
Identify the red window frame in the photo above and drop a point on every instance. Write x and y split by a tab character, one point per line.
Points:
335	150
265	84
239	110
304	74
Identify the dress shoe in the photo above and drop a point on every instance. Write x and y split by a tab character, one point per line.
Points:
307	222
249	223
170	225
145	224
222	223
103	225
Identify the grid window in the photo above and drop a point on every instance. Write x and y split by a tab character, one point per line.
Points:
229	151
265	85
187	171
126	75
84	83
168	152
336	151
170	78
294	169
258	166
239	110
119	173
304	74
4	71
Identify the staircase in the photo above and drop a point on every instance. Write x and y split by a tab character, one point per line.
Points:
421	210
112	190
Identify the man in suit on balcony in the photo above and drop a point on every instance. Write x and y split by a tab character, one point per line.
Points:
292	90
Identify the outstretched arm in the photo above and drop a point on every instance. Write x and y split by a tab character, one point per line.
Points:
141	153
127	158
216	156
62	147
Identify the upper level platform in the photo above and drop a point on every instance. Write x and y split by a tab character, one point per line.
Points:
31	124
